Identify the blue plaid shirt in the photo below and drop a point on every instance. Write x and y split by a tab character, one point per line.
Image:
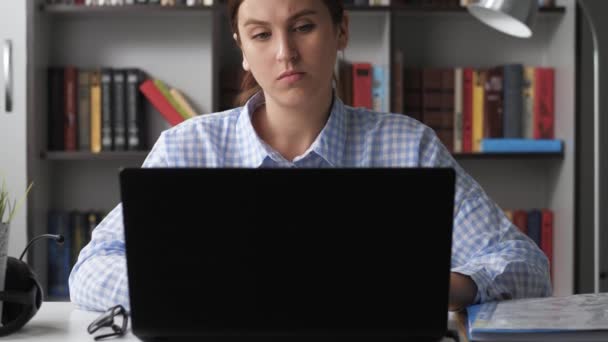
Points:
503	262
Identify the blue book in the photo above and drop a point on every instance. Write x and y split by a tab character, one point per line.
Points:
535	226
521	146
571	318
59	256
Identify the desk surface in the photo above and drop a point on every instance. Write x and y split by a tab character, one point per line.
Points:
62	322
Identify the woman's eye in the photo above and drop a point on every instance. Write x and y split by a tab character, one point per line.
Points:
262	36
305	28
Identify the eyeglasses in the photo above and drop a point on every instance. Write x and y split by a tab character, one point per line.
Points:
107	320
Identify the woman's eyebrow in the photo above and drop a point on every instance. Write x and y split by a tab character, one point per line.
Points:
291	18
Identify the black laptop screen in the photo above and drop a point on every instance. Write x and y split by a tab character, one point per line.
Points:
280	251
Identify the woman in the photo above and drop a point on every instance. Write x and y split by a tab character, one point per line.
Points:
292	118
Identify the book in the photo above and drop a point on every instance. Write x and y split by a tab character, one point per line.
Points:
136	134
55	105
107	115
59	256
160	102
521	145
96	120
84	110
182	102
70	98
362	85
571	318
164	89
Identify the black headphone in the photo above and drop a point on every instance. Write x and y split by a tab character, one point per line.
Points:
22	295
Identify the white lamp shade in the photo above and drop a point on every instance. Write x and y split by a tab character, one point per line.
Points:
513	17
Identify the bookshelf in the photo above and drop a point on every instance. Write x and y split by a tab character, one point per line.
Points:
191	47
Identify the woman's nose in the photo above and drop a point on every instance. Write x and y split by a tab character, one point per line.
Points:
287	51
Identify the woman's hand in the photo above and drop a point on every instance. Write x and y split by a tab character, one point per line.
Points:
463	291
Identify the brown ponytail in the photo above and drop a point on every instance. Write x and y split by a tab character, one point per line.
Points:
249	86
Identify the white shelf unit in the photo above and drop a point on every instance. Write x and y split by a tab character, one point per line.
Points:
187	48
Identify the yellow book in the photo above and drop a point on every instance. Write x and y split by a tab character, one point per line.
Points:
509	214
95	111
479	77
162	87
528	115
181	100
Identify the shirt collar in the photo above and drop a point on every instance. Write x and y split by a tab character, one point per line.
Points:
329	145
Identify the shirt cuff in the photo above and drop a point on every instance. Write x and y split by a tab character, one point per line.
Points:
481	278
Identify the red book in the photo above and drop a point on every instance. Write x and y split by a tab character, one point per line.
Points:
546	240
544	103
467	110
362	85
158	100
70	126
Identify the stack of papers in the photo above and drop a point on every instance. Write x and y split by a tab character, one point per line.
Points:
582	317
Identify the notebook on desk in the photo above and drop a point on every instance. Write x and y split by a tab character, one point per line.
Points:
288	253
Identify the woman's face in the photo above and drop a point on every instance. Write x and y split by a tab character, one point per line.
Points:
290	46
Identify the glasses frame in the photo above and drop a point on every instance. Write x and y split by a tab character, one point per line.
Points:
107	320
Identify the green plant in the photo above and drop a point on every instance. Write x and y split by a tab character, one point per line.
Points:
6	207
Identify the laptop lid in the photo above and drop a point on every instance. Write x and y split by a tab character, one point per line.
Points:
288	252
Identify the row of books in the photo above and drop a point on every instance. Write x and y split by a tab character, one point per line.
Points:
103	109
76	227
465	105
537	224
190	3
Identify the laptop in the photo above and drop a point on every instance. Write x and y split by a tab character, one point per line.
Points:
289	254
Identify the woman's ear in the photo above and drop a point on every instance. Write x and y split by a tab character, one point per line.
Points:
245	63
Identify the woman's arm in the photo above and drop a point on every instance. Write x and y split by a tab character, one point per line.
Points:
491	258
99	277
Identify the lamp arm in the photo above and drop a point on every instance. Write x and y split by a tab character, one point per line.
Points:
596	148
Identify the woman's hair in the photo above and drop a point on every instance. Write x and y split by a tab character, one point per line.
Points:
249	86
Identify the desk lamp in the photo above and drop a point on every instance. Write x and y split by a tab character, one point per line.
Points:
516	18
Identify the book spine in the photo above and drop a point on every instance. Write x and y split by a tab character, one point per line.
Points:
106	110
520	220
479	78
135	118
493	104
534	226
55	109
378	95
544	104
397	79
458	109
59	255
412	98
513	101
119	103
84	110
446	133
467	110
96	120
362	85
529	100
70	123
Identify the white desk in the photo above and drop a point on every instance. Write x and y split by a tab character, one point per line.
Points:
62	322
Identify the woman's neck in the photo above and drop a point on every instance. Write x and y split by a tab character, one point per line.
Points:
291	130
